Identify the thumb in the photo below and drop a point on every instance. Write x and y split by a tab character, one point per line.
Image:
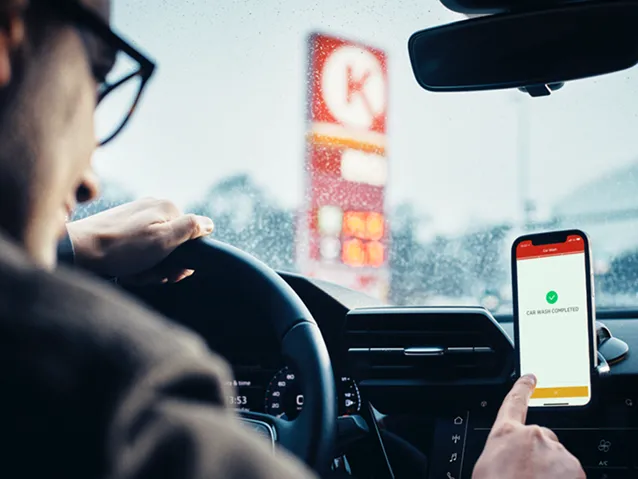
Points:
187	227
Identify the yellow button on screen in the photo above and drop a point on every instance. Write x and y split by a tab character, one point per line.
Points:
565	392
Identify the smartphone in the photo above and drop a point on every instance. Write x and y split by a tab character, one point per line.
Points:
554	316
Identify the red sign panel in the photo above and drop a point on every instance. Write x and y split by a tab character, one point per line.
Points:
344	228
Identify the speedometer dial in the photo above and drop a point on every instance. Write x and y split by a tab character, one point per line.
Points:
284	398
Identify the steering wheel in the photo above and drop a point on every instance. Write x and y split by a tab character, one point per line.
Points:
311	435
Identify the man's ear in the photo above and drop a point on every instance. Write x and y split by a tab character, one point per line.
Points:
11	36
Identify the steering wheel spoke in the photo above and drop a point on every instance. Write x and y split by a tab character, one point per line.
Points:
263	425
271	428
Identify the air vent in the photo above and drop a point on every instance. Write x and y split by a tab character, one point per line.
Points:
427	346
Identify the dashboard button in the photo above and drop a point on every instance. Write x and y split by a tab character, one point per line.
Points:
600	449
448	447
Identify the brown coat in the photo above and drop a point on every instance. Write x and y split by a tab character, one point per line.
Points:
93	385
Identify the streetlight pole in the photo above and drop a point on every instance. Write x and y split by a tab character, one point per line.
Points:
523	160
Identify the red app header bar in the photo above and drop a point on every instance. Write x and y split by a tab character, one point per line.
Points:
572	245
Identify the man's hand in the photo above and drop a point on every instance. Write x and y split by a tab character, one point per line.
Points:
514	450
129	241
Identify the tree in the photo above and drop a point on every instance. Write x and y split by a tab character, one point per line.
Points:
405	275
482	256
622	277
247	218
444	269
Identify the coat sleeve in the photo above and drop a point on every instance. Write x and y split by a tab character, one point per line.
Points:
96	385
172	425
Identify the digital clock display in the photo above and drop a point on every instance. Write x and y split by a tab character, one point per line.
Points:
237	401
246	397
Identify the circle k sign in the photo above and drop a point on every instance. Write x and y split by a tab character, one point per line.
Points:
349	84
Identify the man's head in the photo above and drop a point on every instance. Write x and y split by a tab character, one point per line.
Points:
48	94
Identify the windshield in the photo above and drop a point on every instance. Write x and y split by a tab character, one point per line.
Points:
446	181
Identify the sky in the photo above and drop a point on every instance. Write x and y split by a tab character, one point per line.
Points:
228	97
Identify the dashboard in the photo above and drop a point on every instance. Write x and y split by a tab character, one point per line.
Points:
417	388
277	392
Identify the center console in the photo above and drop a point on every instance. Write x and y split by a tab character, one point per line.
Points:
604	439
433	379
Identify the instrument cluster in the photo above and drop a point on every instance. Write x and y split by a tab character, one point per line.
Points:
278	393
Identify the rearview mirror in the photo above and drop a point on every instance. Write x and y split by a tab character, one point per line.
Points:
529	50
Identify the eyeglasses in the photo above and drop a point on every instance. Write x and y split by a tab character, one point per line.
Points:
121	79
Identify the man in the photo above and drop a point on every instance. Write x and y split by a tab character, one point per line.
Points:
93	385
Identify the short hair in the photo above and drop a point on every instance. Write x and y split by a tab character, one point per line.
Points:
41	22
40	19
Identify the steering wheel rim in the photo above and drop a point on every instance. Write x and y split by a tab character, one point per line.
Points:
311	435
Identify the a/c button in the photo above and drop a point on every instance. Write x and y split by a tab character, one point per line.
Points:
598	449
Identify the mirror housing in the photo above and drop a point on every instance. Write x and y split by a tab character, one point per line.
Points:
490	7
527	50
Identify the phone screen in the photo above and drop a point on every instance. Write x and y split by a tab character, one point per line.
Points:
553	320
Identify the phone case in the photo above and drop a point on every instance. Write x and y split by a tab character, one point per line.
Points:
549	238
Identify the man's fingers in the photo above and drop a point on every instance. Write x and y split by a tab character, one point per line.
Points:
187	227
550	434
180	275
167	236
514	407
157	276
